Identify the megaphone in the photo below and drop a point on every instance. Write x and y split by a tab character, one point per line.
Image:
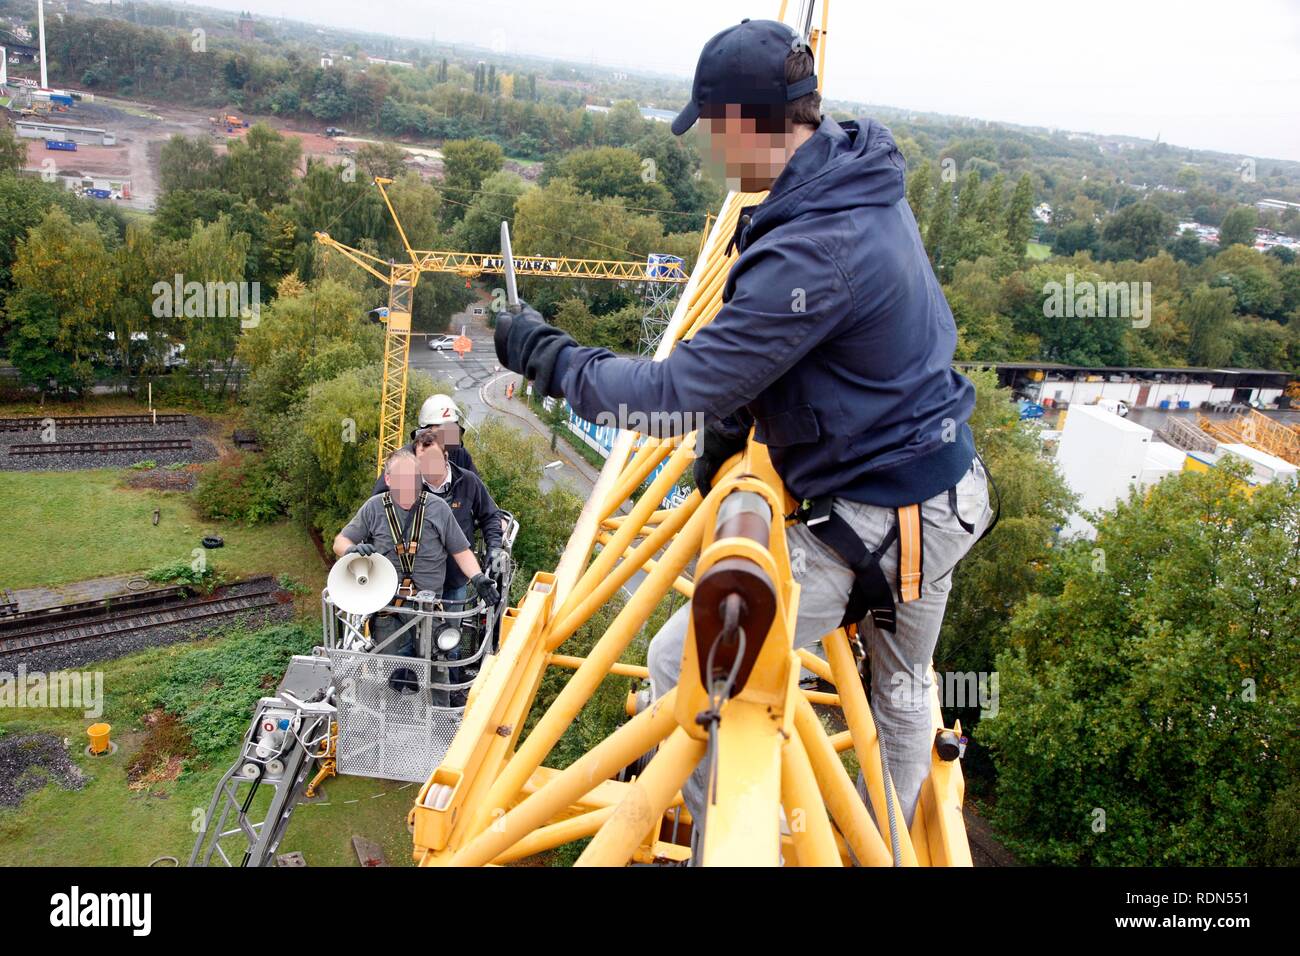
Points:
360	584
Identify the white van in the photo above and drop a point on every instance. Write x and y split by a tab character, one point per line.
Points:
1114	406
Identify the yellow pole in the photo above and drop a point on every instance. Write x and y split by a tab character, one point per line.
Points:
805	813
608	584
743	828
604	563
838	791
636	737
557	834
648	797
866	743
600	658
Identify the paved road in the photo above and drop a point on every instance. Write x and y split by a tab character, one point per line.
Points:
480	384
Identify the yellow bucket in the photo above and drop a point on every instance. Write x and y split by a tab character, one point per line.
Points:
98	734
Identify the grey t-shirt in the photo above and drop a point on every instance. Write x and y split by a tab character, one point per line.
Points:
441	537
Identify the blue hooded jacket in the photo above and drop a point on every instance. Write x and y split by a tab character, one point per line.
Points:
834	339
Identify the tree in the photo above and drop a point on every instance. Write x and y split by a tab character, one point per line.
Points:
1206	316
70	265
1137	231
325	447
304	338
607	172
33	335
1188	248
1253	278
214	257
1008	566
260	165
1075	237
1020	225
1148	694
1238	227
26	201
381	159
480	230
189	164
558	220
13	153
467	162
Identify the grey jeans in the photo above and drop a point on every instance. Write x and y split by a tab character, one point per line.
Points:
900	662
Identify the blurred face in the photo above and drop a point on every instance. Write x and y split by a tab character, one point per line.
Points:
433	461
403	476
751	151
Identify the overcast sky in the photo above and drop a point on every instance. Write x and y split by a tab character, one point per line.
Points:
1200	73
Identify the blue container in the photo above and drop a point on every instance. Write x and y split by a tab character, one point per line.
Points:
1184	405
66	145
1164	405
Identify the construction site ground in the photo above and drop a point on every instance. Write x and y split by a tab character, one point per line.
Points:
141	129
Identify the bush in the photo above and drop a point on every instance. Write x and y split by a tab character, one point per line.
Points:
512	466
181	572
213	689
240	488
1149	695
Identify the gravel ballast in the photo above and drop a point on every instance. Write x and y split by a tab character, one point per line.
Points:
88	651
29	761
193	428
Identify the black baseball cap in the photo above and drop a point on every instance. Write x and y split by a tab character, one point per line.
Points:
745	64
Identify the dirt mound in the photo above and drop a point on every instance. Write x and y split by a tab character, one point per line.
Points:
29	761
163	479
166	745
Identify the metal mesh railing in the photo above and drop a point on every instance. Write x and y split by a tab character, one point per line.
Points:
389	723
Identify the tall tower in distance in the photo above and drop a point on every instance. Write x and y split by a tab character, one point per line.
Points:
246	25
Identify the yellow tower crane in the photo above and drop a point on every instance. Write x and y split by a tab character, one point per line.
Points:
782	793
402	277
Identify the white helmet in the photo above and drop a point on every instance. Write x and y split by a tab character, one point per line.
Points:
439	410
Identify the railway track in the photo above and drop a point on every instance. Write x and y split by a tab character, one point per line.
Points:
106	619
101	447
45	618
86	421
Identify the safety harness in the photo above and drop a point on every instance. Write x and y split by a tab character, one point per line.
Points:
407	541
871	592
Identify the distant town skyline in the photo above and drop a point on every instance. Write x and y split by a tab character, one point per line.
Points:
1197	74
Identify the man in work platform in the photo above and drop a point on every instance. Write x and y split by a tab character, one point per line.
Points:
440	417
415	530
470	502
835	343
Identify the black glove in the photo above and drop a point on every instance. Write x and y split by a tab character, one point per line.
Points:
527	345
717	444
486	589
363	549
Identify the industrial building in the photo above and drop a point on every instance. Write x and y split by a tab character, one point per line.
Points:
1055	385
44	129
1102	456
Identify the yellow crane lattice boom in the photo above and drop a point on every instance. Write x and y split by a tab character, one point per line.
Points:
402	277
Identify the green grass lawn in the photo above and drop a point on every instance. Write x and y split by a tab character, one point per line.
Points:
68	526
1038	251
107	824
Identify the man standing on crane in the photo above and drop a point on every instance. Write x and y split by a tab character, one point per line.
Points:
835	343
